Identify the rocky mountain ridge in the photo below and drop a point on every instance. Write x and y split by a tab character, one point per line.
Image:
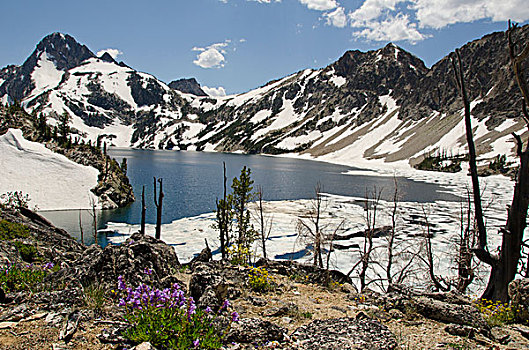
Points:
381	104
188	86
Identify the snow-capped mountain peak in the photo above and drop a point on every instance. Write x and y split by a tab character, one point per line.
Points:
380	104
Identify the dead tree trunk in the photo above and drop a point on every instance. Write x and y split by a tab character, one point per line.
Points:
143	210
224	216
393	233
94	218
482	232
318	260
158	205
465	270
504	265
81	227
370	208
310	228
264	222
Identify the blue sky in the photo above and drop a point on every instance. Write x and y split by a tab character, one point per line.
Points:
238	45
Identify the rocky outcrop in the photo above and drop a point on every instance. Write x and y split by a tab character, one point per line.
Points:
187	86
310	273
490	80
140	259
344	333
255	331
52	244
519	295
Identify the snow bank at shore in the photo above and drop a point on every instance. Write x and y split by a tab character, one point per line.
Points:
52	181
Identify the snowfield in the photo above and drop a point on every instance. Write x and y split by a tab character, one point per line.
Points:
52	181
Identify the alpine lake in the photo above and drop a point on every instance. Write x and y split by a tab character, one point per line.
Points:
193	181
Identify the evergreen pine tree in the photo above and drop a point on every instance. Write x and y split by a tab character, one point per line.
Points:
242	195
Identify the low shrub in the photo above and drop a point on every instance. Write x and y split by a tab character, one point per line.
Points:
94	297
238	255
14	200
11	230
259	280
496	313
28	252
17	277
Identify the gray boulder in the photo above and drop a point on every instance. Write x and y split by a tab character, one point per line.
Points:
140	259
208	287
254	330
519	292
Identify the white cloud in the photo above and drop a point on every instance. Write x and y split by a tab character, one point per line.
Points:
114	53
211	56
336	18
398	28
320	5
372	10
439	14
400	19
214	92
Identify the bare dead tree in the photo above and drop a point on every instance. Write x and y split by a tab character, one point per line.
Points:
464	260
158	204
309	228
370	209
438	282
143	211
457	65
265	223
224	217
94	218
393	233
81	227
331	240
503	265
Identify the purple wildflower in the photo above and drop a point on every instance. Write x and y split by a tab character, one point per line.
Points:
234	316
208	310
196	343
147	271
121	283
226	304
48	266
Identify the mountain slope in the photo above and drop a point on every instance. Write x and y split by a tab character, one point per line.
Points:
381	104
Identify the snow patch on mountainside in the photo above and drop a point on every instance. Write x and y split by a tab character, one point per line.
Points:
283	119
52	181
113	78
338	80
46	75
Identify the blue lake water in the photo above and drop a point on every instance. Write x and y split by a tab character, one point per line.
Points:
192	181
